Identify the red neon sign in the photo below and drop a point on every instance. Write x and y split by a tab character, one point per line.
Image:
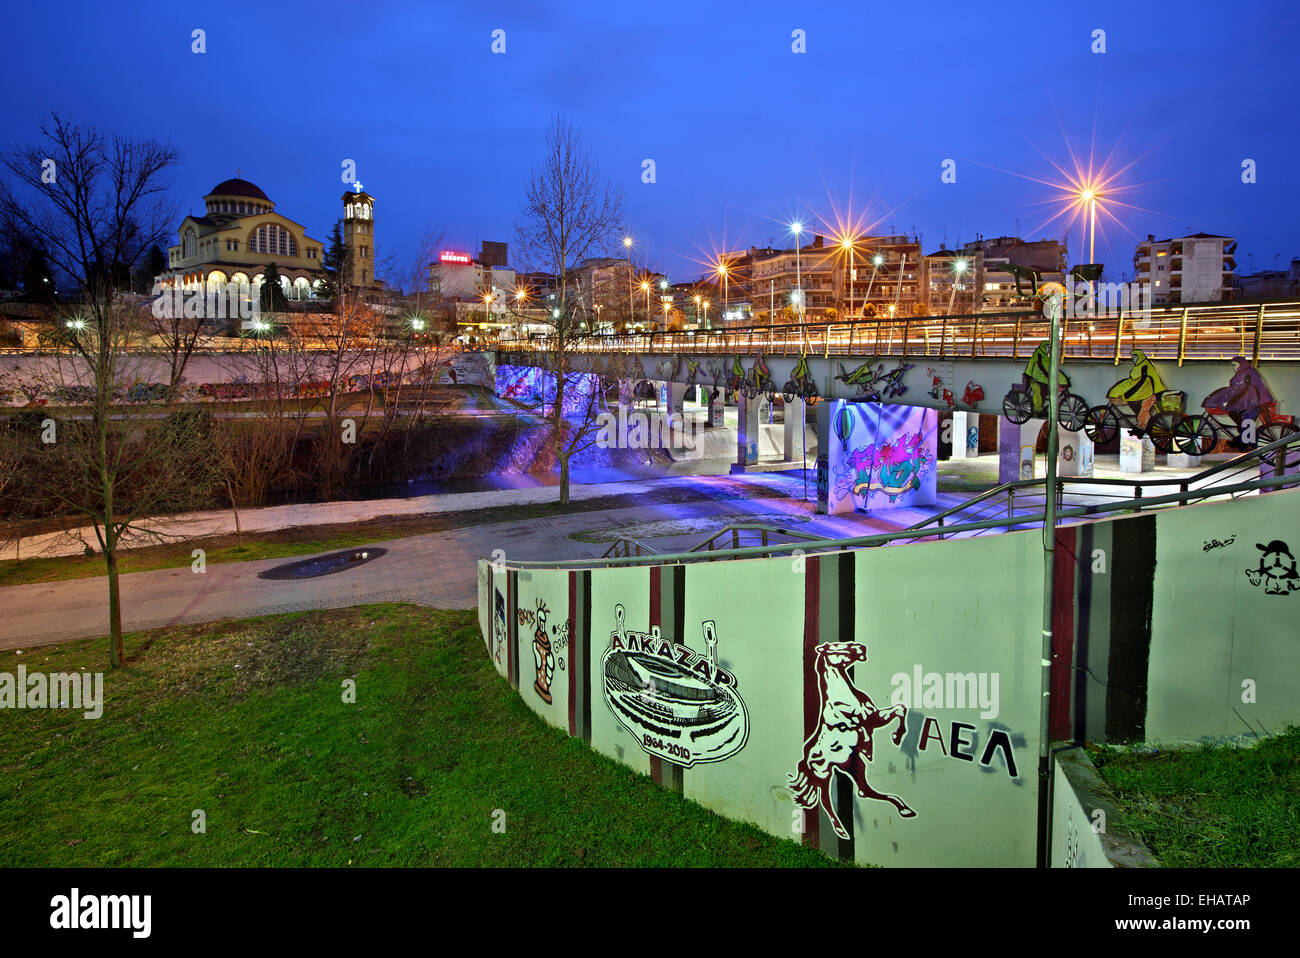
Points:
450	256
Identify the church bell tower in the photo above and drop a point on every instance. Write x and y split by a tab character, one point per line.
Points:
359	236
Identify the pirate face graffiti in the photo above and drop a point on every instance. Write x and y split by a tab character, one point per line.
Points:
846	719
1276	572
681	706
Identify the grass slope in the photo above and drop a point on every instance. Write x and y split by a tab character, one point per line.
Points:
1216	806
246	721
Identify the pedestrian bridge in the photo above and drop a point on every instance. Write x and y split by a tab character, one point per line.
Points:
968	362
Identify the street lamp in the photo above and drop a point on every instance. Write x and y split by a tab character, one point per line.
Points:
958	267
1089	196
706	314
723	271
876	262
796	227
645	288
847	243
627	245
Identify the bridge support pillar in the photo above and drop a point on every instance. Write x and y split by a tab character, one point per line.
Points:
1075	454
676	402
715	407
1136	455
1016	445
965	445
793	431
822	417
1180	461
747	432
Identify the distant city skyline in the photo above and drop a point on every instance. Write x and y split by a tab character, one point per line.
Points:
745	134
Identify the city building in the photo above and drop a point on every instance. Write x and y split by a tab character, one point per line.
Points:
1269	283
240	235
1187	269
885	275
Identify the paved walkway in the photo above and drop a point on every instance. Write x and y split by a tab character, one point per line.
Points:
434	569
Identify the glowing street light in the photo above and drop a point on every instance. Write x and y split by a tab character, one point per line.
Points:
958	267
1089	195
77	324
876	262
796	227
847	244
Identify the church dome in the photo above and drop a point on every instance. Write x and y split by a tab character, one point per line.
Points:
239	187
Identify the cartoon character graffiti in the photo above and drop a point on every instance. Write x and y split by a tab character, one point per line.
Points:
876	385
842	741
939	391
895	468
543	658
1276	570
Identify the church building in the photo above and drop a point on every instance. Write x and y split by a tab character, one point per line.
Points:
241	234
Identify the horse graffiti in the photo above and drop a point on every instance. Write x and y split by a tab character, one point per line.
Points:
846	719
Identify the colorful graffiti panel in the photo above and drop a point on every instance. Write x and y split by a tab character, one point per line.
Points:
882	457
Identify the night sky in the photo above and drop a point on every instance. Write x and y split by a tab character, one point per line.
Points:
746	135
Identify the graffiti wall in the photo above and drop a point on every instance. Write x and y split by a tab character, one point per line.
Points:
881	457
829	700
1159	662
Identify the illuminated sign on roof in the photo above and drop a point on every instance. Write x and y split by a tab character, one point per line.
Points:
451	256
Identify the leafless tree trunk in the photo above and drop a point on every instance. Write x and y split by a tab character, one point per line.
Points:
570	212
95	203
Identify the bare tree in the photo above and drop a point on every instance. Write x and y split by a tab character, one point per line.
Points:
95	203
570	212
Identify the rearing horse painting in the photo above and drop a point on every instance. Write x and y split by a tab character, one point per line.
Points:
846	717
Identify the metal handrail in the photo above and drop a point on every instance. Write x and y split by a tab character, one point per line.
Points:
1239	462
837	545
1182	332
626	544
765	530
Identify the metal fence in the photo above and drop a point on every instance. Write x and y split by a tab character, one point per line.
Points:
1214	331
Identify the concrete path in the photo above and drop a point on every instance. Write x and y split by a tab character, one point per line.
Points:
434	569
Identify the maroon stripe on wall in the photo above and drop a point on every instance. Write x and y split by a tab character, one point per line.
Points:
572	664
811	629
512	626
655	593
1063	569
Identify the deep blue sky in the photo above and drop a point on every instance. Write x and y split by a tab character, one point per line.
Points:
746	135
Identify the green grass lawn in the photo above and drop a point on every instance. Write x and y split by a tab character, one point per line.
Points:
1216	806
246	721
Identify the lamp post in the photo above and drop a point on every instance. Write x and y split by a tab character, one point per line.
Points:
847	243
876	262
796	227
663	289
645	288
627	245
1049	562
958	267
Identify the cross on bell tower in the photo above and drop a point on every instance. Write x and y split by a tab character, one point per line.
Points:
358	237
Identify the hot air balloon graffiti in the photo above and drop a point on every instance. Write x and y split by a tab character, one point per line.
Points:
844	425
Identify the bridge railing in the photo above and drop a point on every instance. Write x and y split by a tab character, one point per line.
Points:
1024	500
1211	331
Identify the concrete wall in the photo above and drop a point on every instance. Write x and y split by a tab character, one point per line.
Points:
1088	831
882	704
849	677
1179	635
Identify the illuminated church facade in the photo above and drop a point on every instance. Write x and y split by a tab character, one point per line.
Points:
241	233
